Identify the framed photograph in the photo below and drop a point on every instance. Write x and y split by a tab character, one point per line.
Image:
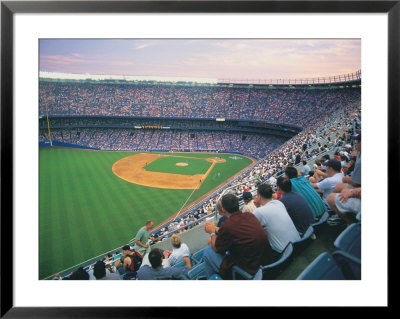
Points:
35	36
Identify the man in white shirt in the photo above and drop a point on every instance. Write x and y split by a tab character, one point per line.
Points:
275	219
334	177
180	252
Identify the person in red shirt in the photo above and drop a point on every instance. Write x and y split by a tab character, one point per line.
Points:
242	236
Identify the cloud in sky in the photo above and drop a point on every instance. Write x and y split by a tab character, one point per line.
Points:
220	58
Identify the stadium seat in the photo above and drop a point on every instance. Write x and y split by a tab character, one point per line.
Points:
303	242
198	272
318	225
349	240
324	267
180	264
350	265
197	257
215	277
271	271
236	270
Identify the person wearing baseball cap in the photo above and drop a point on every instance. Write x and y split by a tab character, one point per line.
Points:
334	177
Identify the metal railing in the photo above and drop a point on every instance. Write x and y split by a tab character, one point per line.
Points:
342	78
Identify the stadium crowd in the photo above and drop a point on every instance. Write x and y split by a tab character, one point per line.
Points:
331	148
291	106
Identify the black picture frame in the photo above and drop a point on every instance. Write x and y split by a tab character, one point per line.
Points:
9	8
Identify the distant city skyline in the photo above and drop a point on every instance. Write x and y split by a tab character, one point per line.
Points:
202	58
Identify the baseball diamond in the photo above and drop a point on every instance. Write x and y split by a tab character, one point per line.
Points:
102	198
133	169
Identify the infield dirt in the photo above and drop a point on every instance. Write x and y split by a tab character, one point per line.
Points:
132	169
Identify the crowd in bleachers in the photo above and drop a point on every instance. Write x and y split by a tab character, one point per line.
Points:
327	142
254	145
290	106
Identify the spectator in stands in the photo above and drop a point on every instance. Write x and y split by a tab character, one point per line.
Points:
248	203
306	169
343	203
180	252
242	236
274	219
129	263
302	186
296	205
220	221
102	272
297	158
79	274
157	272
354	179
334	177
142	238
346	196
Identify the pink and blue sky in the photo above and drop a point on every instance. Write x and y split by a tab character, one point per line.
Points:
211	58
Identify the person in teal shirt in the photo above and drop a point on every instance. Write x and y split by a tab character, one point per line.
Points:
301	185
142	238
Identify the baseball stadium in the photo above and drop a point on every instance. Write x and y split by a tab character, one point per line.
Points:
116	152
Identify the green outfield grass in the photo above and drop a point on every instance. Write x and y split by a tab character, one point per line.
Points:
85	210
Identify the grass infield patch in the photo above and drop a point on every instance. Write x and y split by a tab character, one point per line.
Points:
168	165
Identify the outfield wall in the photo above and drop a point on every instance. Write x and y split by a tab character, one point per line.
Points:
62	144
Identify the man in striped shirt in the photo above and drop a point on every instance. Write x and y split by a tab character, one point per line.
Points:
301	185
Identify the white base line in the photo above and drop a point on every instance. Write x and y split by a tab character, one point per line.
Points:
184	204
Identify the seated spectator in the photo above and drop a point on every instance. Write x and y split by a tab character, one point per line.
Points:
129	263
79	274
180	252
296	205
319	171
353	179
220	221
249	203
157	272
302	186
306	169
274	218
345	202
102	272
334	177
242	236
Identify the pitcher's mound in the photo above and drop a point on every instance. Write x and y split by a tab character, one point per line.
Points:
181	164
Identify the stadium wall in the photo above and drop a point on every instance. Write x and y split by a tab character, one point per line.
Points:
62	144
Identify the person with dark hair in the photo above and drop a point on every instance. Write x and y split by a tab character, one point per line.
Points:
240	241
102	272
334	177
129	263
157	272
142	238
274	218
248	203
301	185
79	274
295	204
